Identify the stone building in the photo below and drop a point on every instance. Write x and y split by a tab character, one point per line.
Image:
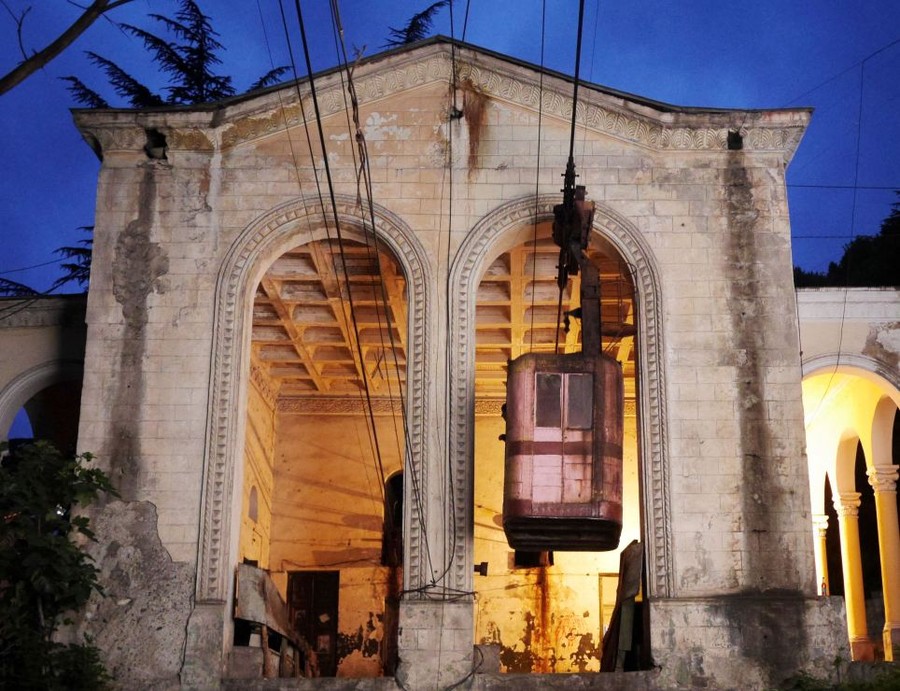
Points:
303	370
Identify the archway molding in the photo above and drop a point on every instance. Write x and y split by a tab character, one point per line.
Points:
501	229
868	368
289	225
19	390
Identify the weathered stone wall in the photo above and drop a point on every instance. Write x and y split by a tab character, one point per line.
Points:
180	243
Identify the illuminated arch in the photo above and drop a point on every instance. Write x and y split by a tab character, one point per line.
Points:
503	228
294	223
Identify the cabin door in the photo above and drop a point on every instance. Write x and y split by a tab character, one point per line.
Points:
563	417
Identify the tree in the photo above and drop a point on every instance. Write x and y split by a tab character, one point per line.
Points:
868	260
417	28
188	60
78	270
14	289
37	60
43	573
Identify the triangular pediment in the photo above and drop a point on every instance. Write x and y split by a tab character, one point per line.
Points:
434	64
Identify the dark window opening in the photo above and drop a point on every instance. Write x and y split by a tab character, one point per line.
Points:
392	537
580	401
523	559
547	411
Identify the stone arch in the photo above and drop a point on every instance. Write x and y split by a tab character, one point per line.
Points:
868	368
24	386
288	225
882	431
493	234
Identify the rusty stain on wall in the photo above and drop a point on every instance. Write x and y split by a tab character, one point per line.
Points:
474	111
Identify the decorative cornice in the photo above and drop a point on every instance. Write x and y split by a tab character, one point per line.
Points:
189	139
267	389
43	311
332	405
685	129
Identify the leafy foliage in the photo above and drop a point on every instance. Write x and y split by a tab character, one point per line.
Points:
868	260
78	270
417	28
43	573
188	56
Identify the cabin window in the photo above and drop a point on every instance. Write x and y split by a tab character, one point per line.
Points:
580	401
577	389
547	411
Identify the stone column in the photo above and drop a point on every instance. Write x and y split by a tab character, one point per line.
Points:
847	506
820	531
884	481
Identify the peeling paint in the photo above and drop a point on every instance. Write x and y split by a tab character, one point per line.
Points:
883	344
137	268
378	128
365	640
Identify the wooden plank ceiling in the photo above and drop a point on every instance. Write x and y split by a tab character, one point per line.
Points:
304	338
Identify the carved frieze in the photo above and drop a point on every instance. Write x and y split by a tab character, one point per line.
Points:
327	405
189	139
597	110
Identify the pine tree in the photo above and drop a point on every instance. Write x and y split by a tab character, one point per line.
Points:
188	57
418	26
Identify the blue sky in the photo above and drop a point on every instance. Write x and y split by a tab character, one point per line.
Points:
763	54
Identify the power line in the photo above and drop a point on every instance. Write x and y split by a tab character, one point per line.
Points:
26	268
888	188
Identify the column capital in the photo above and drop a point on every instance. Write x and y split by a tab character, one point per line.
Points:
820	522
846	504
883	478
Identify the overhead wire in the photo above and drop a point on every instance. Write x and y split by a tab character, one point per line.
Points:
364	180
340	236
361	166
537	180
296	169
859	116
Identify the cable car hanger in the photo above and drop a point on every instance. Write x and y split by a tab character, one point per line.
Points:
564	412
572	222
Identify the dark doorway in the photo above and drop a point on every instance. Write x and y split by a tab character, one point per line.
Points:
313	606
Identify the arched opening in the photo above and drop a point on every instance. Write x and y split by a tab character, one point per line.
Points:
52	414
323	457
546	612
833	545
870	555
850	416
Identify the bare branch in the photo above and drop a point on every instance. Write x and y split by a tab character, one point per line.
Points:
39	59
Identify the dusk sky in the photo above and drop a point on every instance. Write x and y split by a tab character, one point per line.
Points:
841	57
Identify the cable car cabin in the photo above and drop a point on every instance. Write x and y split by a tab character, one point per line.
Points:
563	480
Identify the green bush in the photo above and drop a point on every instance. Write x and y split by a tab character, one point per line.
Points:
44	574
